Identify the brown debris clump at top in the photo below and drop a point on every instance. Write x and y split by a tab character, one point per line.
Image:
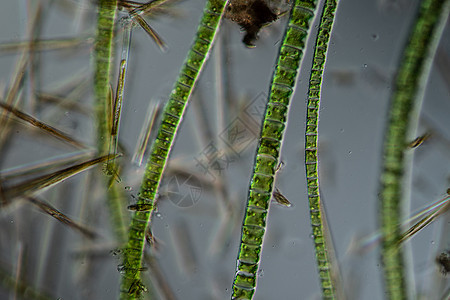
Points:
251	15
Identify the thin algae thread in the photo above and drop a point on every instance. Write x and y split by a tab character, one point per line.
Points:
131	286
267	155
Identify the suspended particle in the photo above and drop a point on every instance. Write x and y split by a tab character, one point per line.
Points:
443	260
280	199
116	252
149	236
280	166
251	16
110	169
137	287
123	268
419	141
151	240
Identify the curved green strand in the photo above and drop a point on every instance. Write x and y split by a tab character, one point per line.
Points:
405	102
102	60
103	51
131	286
268	152
311	149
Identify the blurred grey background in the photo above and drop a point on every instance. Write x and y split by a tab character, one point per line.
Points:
198	243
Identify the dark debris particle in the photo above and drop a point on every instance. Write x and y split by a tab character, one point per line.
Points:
443	260
251	15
